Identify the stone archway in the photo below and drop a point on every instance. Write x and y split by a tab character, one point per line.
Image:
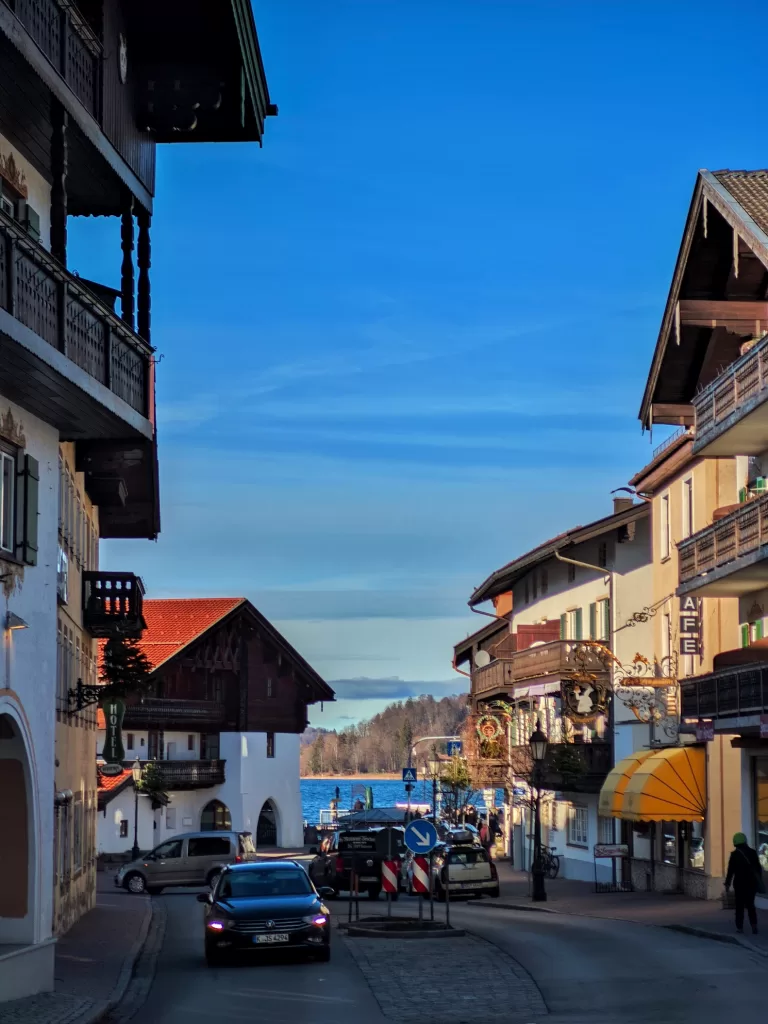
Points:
267	827
215	817
17	896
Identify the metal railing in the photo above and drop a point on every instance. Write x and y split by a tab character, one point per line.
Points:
46	298
729	693
744	380
187	774
740	533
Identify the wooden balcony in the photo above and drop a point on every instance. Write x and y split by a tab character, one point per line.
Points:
732	412
548	662
596	761
177	775
64	354
112	604
157	713
729	558
66	39
738	693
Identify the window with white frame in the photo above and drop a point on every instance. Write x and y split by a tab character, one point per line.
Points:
665	539
688	506
7	498
605	830
577	826
574	624
603	619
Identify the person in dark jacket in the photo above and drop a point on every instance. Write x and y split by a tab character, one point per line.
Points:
745	872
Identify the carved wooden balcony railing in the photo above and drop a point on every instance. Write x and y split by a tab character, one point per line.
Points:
740	533
729	693
175	775
112	604
41	294
554	660
161	713
734	393
66	39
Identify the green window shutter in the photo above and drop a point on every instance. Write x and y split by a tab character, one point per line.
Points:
579	626
759	629
606	620
562	627
593	622
27	488
745	636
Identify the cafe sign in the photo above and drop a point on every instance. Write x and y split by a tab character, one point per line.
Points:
113	751
690	625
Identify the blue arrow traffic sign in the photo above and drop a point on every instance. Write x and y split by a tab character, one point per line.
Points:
454	748
421	836
409	775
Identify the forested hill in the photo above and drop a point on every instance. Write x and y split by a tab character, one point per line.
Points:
381	743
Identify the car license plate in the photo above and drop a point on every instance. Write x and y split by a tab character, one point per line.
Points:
369	878
268	939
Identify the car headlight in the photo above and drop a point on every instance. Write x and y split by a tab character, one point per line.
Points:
316	919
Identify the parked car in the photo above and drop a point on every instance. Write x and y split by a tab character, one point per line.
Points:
194	858
465	870
361	849
269	905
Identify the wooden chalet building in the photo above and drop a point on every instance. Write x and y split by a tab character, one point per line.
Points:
87	91
222	726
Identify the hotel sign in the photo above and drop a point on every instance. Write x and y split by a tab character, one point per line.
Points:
113	752
690	625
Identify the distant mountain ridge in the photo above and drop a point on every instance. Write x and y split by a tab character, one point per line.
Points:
381	743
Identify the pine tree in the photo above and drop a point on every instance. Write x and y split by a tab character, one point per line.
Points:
125	668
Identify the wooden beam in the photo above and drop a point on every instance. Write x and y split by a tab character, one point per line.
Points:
674	415
741	317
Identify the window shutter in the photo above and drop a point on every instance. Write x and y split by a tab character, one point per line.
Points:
579	626
745	636
759	629
606	620
28	485
562	627
593	622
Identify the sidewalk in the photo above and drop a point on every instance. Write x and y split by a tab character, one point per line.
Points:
94	961
699	917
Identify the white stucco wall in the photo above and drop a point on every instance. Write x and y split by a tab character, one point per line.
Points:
28	673
39	190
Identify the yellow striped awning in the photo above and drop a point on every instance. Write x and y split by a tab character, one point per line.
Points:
616	782
669	785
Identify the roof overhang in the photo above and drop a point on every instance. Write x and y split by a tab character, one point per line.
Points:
505	578
708	293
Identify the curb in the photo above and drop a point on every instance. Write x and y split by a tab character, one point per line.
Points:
705	933
101	1010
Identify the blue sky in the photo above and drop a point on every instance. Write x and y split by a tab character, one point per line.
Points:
407	339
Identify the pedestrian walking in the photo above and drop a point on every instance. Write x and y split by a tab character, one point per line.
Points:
485	838
746	874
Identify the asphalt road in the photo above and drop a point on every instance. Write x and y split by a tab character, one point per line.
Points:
587	970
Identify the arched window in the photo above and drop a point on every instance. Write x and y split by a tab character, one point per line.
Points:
266	830
215	817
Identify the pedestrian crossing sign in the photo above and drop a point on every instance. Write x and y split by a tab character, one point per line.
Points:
409	775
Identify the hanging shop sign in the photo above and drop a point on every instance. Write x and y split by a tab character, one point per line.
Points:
489	727
690	625
114	710
583	701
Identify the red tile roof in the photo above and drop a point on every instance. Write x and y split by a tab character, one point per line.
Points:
106	783
101	722
173	623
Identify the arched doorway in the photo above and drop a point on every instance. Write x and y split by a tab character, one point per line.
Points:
17	813
215	817
266	830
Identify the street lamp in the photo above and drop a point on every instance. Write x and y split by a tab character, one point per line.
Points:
434	771
136	770
538	745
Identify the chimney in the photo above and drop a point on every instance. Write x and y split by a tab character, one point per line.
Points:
621	505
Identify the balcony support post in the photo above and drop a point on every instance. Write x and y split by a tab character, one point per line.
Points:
127	287
60	168
144	258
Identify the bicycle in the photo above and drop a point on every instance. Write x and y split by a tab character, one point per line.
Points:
550	861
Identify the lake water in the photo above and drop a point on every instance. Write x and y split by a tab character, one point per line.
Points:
316	794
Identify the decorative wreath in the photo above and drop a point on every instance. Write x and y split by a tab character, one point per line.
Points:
489	727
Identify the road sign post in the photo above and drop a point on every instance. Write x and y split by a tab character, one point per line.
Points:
420	836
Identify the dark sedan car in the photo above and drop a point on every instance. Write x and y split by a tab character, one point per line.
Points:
265	906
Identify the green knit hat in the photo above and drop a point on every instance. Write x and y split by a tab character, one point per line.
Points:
739	839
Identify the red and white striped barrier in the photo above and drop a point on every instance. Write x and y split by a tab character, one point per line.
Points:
389	873
420	874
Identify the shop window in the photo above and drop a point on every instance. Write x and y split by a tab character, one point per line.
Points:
696	845
669	842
